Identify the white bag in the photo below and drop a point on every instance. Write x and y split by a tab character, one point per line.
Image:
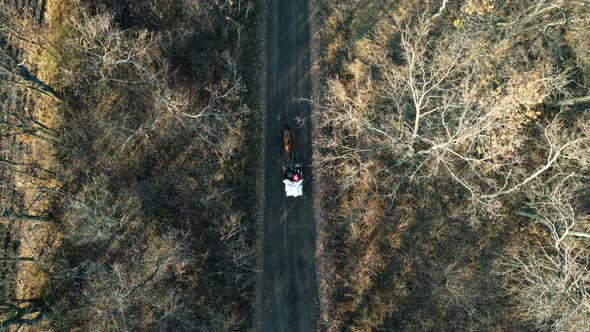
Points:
292	188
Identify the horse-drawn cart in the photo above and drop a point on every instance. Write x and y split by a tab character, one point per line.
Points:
292	168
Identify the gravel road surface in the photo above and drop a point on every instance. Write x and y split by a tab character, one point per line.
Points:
289	287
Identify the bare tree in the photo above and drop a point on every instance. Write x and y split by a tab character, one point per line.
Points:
550	286
130	62
133	292
554	205
437	111
96	217
550	283
488	103
114	293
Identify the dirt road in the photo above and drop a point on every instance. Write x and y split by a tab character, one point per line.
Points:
289	288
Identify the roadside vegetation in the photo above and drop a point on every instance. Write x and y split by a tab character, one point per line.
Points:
453	145
125	142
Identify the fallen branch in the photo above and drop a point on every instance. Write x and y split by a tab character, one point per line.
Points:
545	222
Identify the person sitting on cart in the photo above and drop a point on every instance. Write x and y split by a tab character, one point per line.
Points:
293	176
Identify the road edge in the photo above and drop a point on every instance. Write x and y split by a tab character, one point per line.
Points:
261	22
324	268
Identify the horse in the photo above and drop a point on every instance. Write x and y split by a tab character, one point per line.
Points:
288	140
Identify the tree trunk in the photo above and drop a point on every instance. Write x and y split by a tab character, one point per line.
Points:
9	214
573	101
545	222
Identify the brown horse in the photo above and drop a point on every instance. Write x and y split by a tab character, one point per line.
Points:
288	140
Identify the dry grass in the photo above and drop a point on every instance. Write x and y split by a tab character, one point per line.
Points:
169	195
416	265
38	240
409	248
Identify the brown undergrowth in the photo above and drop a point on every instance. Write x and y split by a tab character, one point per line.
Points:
134	213
411	240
